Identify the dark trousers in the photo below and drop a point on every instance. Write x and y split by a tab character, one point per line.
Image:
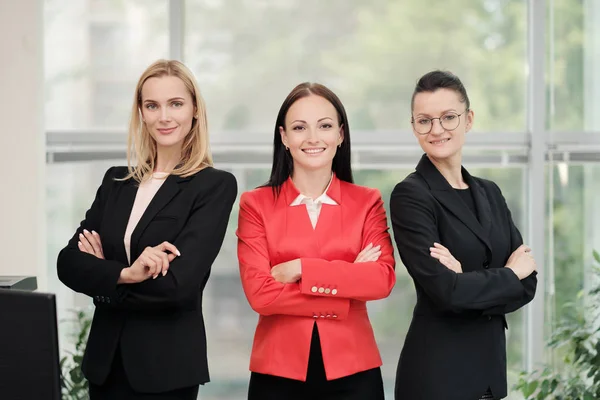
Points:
116	387
365	385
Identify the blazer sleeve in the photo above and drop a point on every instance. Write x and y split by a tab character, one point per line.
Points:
265	295
199	243
529	283
415	231
359	281
82	272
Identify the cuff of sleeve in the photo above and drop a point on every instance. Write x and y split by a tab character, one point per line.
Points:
337	309
517	289
315	281
110	290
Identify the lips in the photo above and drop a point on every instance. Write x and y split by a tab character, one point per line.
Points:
166	131
439	142
314	151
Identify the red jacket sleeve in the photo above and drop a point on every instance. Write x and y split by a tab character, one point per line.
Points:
265	295
359	281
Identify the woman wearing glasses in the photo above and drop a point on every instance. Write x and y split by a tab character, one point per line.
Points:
456	237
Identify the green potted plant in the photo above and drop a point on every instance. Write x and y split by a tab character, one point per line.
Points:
577	338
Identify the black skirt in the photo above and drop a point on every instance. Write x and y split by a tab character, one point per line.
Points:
117	387
365	385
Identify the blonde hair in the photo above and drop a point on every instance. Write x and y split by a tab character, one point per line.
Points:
141	146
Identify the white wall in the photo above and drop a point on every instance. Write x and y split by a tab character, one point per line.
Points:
22	154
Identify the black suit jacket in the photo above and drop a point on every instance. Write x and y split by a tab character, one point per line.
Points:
456	348
157	323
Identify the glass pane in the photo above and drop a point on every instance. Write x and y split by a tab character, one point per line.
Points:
248	55
575	233
574	85
94	53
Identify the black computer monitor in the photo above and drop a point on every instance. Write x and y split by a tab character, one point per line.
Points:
29	354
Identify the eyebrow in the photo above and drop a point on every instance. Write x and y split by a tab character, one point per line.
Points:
172	99
304	122
442	113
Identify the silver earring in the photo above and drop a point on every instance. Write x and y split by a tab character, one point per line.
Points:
287	148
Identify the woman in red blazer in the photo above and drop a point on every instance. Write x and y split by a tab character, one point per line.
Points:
313	248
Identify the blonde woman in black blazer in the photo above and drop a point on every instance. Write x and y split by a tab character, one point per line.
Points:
146	246
456	237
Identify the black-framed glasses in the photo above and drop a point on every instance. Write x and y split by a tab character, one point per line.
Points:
449	122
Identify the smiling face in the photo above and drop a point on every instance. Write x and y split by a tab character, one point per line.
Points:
312	133
443	105
167	110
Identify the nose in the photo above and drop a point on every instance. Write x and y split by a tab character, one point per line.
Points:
164	114
312	135
436	127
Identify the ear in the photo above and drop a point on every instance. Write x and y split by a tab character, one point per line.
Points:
342	137
470	119
283	136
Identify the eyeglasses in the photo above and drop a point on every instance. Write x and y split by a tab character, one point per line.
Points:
448	121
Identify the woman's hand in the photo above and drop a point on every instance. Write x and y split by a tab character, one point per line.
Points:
522	262
444	256
369	254
152	262
89	242
287	272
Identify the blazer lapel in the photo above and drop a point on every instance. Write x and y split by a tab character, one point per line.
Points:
167	191
297	224
445	194
482	203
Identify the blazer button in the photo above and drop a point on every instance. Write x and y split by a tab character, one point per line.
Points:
486	264
334	316
321	290
327	291
334	292
315	315
314	289
489	317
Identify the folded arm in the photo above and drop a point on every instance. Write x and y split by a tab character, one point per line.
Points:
363	281
529	284
266	295
415	231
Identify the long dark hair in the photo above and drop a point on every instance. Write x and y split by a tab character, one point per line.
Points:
283	164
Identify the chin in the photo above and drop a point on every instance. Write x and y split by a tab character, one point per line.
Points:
168	142
440	154
316	166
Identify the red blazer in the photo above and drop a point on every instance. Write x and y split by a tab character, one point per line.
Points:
333	290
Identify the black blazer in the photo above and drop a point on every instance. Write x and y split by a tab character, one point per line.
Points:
456	347
157	323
